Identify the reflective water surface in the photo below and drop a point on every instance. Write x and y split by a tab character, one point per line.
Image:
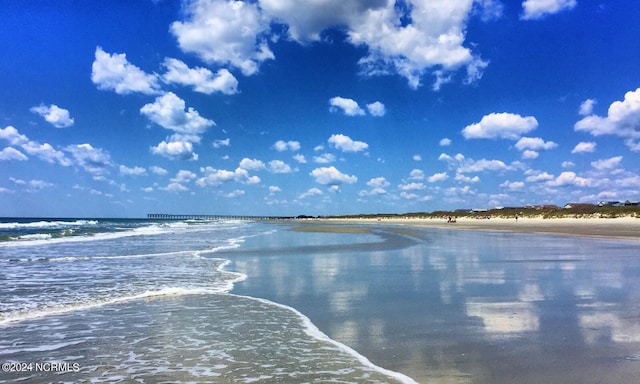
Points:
453	306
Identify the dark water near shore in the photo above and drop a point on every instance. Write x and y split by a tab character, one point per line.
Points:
239	302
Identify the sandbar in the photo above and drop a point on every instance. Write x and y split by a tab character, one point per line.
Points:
614	228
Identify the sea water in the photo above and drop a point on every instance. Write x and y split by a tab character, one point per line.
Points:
152	301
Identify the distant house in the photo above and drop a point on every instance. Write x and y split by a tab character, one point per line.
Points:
614	203
632	202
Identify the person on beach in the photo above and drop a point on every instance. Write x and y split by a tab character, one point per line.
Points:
516	217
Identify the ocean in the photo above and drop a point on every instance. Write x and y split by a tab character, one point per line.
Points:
224	301
150	301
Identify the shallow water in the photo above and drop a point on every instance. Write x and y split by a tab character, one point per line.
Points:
470	307
239	302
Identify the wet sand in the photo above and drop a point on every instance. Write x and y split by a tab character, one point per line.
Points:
618	228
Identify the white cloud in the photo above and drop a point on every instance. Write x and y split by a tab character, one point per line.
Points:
416	157
175	188
114	72
466	179
538	177
310	192
58	117
376	109
324	158
252	164
168	111
530	154
10	153
345	144
604	164
568	164
445	142
586	108
378	182
225	33
282	146
416	174
489	9
514	186
500	125
158	170
234	194
222	143
300	158
411	187
95	161
135	171
11	135
622	120
46	152
438	177
348	106
175	150
534	143
184	176
536	9
279	166
584	147
274	189
332	176
568	179
215	177
201	79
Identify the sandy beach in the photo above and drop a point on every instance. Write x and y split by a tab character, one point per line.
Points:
620	228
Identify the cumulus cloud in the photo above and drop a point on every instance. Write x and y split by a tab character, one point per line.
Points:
584	147
184	176
534	143
622	120
569	179
114	73
530	154
500	125
225	33
513	185
416	174
411	187
169	112
605	164
536	9
215	177
537	177
95	161
10	153
310	192
445	142
158	170
410	39
586	108
378	182
252	164
58	117
46	152
438	177
332	176
279	166
282	146
200	79
12	136
467	165
345	144
175	150
222	143
376	109
324	158
348	106
135	171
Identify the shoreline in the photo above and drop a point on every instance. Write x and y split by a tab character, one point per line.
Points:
622	228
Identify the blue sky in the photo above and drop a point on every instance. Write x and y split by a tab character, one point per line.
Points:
274	107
